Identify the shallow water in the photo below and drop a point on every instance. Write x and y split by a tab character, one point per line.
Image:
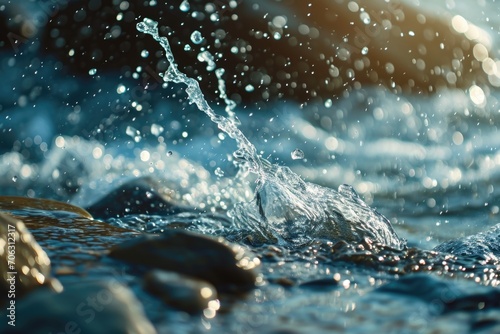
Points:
430	164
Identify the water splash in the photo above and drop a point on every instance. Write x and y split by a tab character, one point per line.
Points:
246	150
286	208
297	154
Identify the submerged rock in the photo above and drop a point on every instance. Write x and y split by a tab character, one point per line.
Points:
87	307
444	295
230	268
484	245
181	292
24	265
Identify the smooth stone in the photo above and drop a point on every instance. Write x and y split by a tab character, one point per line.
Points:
15	203
84	307
484	245
230	268
321	284
181	292
444	295
138	196
24	265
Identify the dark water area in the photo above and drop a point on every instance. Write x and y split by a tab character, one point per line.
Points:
398	100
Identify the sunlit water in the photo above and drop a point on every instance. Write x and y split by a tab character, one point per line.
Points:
286	207
430	164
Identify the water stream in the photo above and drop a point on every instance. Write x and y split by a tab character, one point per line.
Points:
286	208
415	252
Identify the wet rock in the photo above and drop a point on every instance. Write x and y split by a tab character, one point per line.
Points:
139	196
66	233
320	284
24	265
26	206
444	295
284	48
87	307
181	292
484	245
230	268
283	281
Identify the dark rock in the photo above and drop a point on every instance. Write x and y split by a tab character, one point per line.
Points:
320	284
87	307
181	292
24	265
138	196
484	245
28	205
283	281
230	268
286	48
444	295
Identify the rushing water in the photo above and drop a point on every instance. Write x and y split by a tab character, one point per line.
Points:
429	163
289	209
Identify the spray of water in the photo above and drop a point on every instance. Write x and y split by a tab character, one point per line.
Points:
286	208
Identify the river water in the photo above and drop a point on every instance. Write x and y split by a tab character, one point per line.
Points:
427	163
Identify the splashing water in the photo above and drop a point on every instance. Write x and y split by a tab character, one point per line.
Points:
286	208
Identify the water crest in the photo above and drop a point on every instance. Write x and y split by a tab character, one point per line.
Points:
286	209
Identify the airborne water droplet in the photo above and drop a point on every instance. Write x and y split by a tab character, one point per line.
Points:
156	129
134	133
185	6
92	71
169	153
196	37
219	172
144	53
14	178
297	154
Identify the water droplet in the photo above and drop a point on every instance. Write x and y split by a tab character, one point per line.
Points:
196	37
219	172
477	95
169	153
14	178
144	53
185	6
297	154
187	47
156	129
214	17
92	71
249	88
147	25
364	51
365	17
328	103
134	133
121	89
